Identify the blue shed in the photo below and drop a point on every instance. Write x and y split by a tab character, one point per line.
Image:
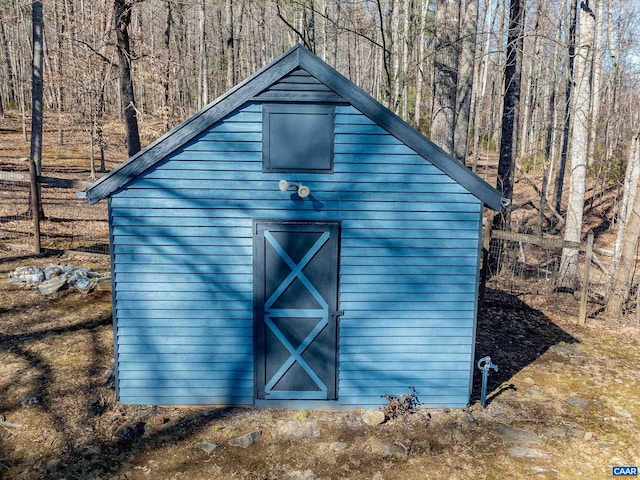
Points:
294	244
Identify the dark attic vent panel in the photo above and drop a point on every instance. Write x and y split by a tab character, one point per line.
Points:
297	138
298	86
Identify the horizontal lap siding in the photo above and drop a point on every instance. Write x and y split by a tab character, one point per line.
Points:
184	276
183	267
408	282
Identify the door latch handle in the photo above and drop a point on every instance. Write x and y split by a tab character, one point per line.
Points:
337	313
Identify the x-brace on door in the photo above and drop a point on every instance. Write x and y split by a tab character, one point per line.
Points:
295	302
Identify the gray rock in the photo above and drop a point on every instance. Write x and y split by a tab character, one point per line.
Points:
373	417
537	469
516	435
246	440
384	448
83	279
353	420
52	271
578	402
301	475
52	285
292	430
526	452
84	285
535	394
337	446
30	401
566	350
109	377
207	446
552	432
623	412
131	431
574	432
27	275
54	277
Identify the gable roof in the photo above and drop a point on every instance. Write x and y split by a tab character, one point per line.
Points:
251	88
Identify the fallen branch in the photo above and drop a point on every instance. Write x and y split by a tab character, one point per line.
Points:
537	190
598	263
4	423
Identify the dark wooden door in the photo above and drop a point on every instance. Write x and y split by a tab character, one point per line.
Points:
295	300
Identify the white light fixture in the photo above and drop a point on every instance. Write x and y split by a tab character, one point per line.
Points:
283	185
302	190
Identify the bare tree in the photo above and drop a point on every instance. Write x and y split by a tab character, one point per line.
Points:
623	274
421	63
559	184
596	79
122	19
579	140
446	74
166	81
387	45
230	48
551	120
4	48
35	164
481	78
203	64
630	187
510	108
466	66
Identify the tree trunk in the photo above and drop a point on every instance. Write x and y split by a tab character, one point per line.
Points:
203	80
310	25
60	24
559	185
37	85
528	128
122	18
11	91
579	139
597	73
229	47
466	67
510	110
623	275
443	115
166	82
421	54
387	45
631	177
406	42
36	118
550	140
394	34
487	24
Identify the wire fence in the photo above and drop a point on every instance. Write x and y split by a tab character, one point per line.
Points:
529	265
69	222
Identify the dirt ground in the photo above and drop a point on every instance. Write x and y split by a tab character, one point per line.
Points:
564	404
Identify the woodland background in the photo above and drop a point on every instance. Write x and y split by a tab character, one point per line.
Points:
548	87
